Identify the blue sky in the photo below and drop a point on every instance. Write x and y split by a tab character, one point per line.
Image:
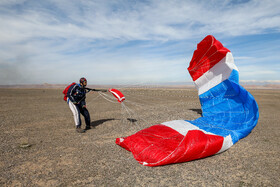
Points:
132	42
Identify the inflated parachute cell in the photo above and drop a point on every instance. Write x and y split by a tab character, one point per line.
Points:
229	113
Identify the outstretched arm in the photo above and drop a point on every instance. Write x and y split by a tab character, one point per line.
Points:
96	90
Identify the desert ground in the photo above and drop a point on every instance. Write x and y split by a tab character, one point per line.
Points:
40	147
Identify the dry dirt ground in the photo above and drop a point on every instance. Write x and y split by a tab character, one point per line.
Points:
40	147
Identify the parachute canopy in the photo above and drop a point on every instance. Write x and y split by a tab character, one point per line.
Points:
120	97
229	113
65	91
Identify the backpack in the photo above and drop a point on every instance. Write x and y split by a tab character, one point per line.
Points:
66	90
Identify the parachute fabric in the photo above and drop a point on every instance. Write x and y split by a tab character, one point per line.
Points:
229	113
120	97
66	90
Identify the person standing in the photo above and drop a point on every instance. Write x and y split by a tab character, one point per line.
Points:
76	99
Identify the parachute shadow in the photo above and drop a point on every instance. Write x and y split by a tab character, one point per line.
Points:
99	122
132	120
198	111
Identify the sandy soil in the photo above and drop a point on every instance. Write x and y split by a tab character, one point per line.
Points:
40	147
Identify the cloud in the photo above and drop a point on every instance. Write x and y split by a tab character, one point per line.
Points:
126	40
125	20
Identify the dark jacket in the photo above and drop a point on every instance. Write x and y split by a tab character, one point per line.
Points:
77	94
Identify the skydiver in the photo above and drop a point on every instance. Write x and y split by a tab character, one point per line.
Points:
76	99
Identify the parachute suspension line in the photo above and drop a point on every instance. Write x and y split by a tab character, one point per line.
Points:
144	106
93	99
131	114
125	109
127	118
153	109
106	97
139	106
139	102
124	117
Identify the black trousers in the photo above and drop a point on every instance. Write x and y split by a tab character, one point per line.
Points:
77	110
85	113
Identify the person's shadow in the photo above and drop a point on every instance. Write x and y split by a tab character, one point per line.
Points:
99	122
199	111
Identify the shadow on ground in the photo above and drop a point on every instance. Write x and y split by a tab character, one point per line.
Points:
99	122
132	120
199	111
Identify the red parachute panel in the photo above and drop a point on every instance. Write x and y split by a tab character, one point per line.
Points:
208	53
161	145
120	97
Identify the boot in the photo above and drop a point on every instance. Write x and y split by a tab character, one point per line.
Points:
87	128
80	130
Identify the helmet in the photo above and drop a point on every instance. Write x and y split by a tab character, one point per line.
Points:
82	80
